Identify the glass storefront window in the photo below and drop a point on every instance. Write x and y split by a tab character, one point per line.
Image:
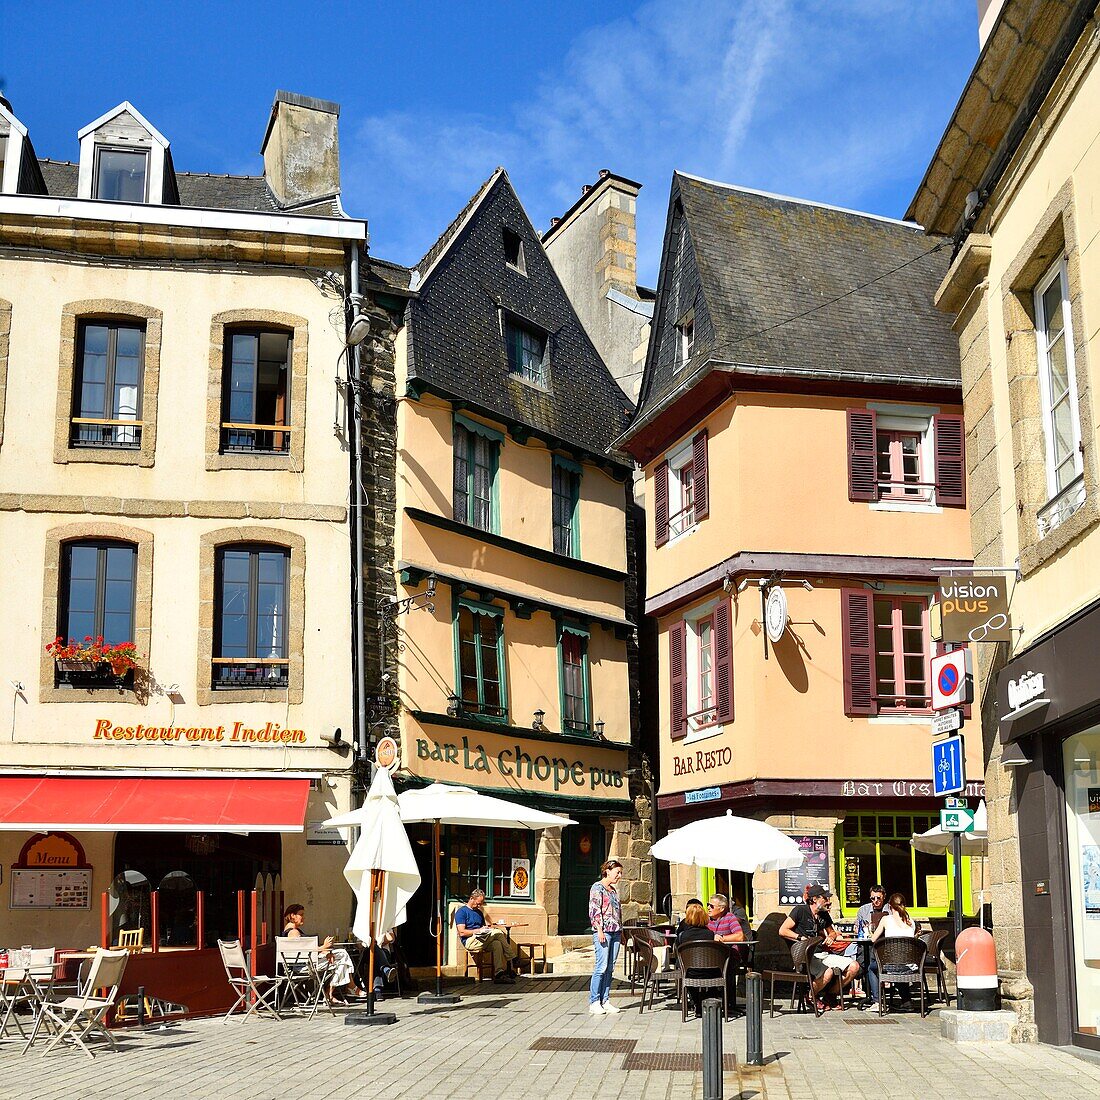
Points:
875	848
1081	760
483	858
178	910
128	904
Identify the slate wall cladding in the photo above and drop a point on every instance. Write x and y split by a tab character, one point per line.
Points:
457	343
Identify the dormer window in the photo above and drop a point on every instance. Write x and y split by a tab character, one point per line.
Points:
513	252
527	353
121	174
685	335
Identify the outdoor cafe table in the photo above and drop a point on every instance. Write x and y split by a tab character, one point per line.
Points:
26	984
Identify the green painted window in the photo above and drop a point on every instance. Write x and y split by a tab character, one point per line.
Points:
875	848
576	691
483	859
479	642
736	885
476	463
566	508
527	353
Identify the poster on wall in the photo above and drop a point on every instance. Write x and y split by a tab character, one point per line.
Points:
521	878
793	882
1090	880
851	881
35	888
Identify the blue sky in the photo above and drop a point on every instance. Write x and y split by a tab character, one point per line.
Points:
841	101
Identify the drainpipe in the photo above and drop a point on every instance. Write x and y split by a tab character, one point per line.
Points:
359	504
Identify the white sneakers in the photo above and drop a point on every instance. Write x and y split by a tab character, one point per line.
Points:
609	1007
597	1009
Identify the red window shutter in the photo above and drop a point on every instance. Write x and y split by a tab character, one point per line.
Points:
950	436
862	457
702	483
660	504
857	625
723	660
677	665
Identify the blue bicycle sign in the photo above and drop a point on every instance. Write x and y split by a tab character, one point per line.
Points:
948	766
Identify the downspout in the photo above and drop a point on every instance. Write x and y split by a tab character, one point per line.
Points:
354	378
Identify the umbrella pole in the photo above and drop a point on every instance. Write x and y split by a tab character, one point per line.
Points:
438	997
377	883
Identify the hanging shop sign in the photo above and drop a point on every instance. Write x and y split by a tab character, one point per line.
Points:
236	734
974	609
486	759
387	753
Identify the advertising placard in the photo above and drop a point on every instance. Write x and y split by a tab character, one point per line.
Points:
974	609
793	881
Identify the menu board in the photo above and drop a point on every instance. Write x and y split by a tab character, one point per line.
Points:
36	888
851	881
792	882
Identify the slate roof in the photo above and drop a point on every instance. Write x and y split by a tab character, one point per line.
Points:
456	345
761	273
200	189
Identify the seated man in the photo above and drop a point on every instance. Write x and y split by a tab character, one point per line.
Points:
474	927
808	920
867	920
727	929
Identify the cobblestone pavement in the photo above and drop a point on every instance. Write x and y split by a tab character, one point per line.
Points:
493	1044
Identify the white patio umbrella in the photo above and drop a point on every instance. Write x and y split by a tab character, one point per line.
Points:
735	843
382	869
938	841
443	804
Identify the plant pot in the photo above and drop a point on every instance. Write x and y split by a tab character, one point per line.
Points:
72	664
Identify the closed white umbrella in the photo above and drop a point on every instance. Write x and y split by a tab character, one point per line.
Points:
444	804
735	843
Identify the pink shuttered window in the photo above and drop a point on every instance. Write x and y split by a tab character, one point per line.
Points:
857	634
862	455
677	665
660	504
901	654
899	466
950	436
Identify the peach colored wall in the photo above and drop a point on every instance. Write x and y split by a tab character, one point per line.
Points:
789	719
777	462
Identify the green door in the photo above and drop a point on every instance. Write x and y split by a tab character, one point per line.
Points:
583	849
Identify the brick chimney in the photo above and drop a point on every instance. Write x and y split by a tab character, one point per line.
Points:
301	149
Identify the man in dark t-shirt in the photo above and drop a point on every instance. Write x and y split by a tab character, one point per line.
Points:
810	919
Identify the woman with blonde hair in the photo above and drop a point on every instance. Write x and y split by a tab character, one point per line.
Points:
695	930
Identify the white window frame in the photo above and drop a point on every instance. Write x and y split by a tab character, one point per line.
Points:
1061	503
692	621
682	456
112	147
685	340
918	419
902	718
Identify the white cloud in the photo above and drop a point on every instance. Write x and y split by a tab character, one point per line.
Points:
820	99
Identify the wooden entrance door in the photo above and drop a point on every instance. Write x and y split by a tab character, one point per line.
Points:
583	849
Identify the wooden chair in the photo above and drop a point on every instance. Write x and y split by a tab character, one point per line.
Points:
480	962
933	962
799	974
901	962
130	939
703	956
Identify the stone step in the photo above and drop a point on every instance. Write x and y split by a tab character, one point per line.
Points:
573	962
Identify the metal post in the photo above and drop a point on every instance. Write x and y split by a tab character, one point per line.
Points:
712	1050
754	1019
957	855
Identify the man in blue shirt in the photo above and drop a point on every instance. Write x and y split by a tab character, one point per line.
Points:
475	930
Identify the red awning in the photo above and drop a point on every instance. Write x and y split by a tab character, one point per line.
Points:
139	803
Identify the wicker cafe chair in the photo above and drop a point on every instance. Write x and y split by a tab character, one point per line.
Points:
703	956
669	972
651	969
802	951
633	970
901	962
933	962
247	985
74	1019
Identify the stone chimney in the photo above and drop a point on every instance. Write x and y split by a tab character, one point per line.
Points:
301	149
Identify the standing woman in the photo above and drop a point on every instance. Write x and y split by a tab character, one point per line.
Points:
606	914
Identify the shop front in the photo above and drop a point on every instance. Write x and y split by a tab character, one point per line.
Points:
1048	713
540	880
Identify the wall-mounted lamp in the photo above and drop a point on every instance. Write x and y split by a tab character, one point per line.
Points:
599	727
742	586
359	325
1012	756
540	716
452	704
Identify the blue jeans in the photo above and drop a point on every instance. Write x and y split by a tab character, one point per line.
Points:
604	968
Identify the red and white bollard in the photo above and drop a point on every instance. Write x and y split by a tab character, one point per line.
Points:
976	970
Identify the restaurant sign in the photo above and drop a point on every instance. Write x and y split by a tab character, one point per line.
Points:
271	733
494	760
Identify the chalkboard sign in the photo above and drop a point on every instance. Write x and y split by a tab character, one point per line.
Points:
851	881
793	882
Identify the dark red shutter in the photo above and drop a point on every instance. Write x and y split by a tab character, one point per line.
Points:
857	627
677	666
950	461
660	504
862	456
723	660
701	482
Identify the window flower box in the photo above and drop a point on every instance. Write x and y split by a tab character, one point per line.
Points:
92	663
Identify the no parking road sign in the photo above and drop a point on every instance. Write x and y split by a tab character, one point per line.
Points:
952	679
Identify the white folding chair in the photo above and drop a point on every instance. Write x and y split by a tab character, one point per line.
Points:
247	985
77	1018
25	986
295	964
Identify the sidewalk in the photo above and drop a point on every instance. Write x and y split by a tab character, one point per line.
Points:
498	1041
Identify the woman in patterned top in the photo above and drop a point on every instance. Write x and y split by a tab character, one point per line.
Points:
606	914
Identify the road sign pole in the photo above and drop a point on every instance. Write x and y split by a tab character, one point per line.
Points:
957	852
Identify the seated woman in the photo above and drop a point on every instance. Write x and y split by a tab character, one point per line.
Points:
895	922
334	964
694	930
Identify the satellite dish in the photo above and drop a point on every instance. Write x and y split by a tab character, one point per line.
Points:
775	614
